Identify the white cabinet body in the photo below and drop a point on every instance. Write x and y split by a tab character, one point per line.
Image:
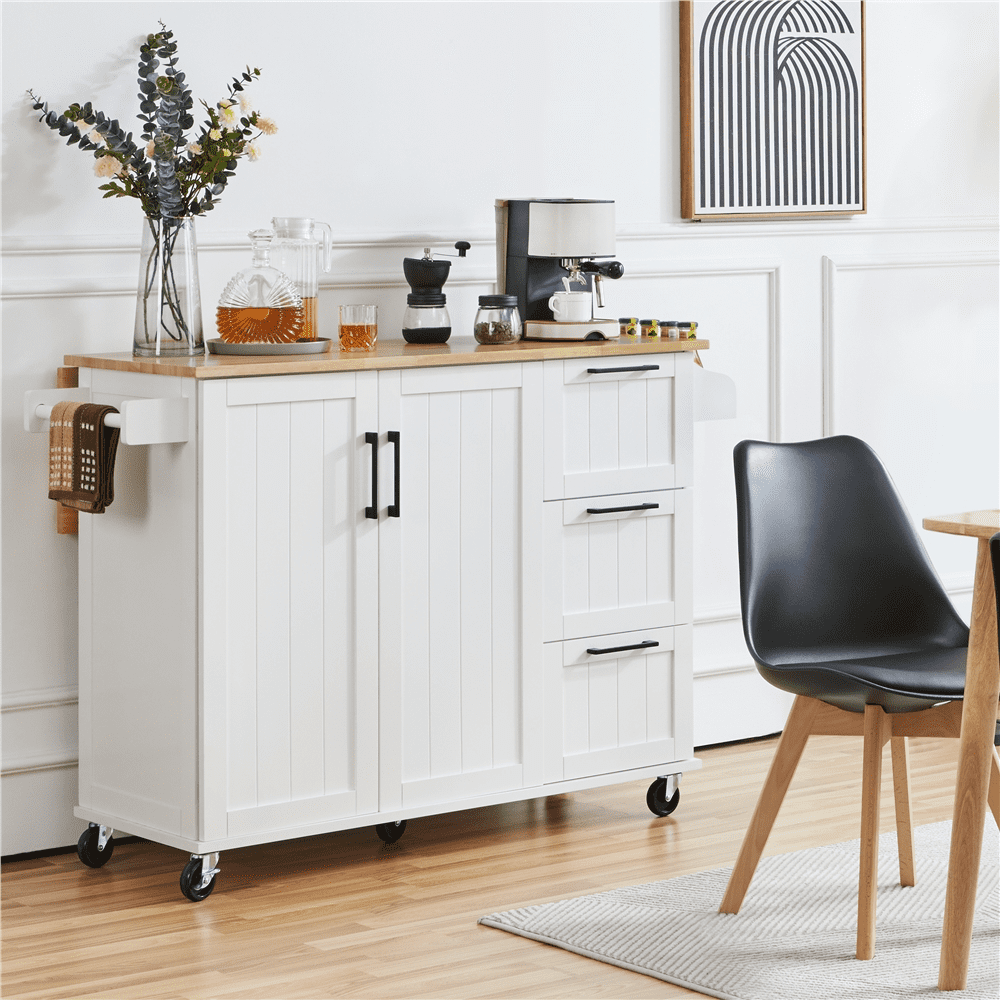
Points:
357	597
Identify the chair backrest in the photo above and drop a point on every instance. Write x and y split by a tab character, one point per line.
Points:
830	565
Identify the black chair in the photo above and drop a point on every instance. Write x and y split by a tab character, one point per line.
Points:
842	607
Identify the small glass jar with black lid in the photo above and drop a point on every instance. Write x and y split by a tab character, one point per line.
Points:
497	321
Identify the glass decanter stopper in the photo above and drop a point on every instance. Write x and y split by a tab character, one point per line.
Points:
260	305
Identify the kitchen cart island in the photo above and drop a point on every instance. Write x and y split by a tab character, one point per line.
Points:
341	590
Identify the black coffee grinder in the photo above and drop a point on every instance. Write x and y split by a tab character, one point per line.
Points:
426	320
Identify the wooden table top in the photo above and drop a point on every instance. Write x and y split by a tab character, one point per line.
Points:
977	523
388	353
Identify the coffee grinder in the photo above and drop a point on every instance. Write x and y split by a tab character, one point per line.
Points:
426	319
545	246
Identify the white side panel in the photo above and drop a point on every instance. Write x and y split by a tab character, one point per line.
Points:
139	640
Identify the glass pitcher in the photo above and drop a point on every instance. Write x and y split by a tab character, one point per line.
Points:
296	251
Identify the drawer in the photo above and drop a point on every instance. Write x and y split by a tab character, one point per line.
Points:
617	425
612	563
617	702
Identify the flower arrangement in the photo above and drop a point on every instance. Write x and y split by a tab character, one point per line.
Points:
174	179
170	176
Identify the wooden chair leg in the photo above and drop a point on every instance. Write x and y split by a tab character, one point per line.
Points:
904	815
786	759
994	793
877	728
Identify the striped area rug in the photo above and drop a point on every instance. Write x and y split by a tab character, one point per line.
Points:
793	939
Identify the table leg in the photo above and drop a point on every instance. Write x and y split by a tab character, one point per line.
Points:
979	709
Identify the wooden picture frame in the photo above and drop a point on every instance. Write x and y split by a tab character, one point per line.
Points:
772	109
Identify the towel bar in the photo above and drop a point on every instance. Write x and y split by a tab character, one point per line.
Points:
43	411
142	421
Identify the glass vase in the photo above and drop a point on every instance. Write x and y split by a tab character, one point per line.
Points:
168	304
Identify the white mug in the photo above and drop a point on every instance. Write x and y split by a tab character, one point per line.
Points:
571	307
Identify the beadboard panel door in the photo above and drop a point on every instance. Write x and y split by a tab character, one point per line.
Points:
616	702
459	639
612	563
617	425
296	561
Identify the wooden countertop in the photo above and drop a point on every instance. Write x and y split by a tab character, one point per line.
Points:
387	354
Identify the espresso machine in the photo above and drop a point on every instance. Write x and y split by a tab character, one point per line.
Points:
551	246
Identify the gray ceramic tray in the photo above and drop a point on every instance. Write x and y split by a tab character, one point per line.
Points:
318	346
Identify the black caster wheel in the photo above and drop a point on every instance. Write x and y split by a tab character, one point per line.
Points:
88	851
656	798
389	833
190	879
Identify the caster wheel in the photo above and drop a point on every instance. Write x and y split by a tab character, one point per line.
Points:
87	849
190	879
389	833
656	798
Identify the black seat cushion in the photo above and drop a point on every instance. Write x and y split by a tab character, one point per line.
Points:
889	681
839	598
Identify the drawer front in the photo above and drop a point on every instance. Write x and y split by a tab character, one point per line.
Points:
617	425
612	563
617	702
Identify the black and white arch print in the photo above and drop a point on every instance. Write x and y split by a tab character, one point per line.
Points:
778	103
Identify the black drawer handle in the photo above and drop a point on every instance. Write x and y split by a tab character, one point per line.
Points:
394	507
621	649
372	438
632	368
616	510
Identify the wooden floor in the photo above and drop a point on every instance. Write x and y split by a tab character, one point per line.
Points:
345	916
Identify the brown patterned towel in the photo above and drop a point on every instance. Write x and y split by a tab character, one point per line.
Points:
82	456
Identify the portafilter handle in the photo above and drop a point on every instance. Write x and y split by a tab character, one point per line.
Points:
601	270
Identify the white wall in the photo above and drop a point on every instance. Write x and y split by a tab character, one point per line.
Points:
399	124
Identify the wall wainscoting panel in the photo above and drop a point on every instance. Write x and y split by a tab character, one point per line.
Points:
910	365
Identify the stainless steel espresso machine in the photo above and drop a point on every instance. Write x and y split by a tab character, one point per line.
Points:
547	254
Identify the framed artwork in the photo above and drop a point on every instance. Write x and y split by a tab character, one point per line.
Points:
772	108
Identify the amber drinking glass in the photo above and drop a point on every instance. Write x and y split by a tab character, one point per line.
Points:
358	328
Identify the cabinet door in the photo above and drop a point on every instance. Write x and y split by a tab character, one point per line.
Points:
290	715
617	702
617	563
460	587
617	425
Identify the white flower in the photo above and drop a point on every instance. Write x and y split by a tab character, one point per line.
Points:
215	134
194	148
266	125
150	149
253	151
108	166
245	105
227	114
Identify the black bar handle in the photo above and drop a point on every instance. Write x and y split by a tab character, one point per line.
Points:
394	507
615	510
631	368
372	438
621	649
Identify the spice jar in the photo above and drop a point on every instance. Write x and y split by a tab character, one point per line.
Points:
649	327
497	320
668	329
684	329
629	326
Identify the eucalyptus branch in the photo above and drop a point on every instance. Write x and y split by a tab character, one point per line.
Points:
170	176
